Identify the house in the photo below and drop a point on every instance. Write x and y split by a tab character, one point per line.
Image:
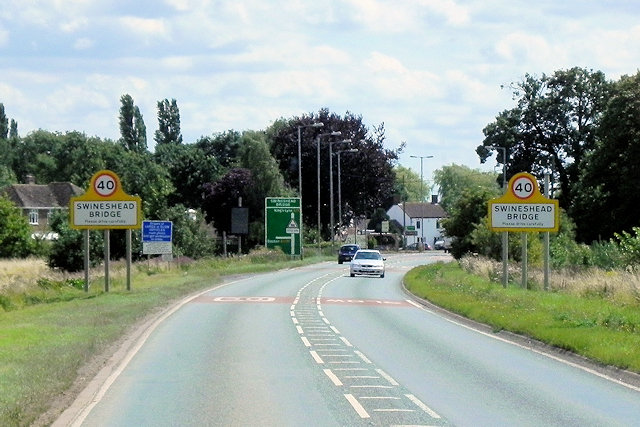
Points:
424	217
38	202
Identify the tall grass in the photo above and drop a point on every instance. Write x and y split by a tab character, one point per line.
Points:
621	286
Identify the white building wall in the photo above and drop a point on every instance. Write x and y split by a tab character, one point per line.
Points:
428	231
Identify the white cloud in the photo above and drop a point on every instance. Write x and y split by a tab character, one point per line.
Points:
83	43
151	28
394	81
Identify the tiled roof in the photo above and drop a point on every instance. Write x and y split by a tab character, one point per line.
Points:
423	210
53	195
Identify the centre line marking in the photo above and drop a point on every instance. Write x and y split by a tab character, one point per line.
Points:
306	342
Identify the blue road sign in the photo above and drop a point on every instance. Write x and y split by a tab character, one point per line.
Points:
157	231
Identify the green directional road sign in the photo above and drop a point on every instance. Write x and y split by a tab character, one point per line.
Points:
283	224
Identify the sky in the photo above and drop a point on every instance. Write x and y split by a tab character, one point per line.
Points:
435	72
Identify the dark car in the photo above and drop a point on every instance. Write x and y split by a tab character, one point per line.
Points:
418	247
347	252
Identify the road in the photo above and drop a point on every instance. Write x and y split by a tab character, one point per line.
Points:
312	346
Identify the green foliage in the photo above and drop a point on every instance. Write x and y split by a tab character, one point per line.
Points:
15	232
465	215
552	126
133	131
630	246
605	203
368	179
67	253
455	181
409	186
375	222
168	123
191	236
189	169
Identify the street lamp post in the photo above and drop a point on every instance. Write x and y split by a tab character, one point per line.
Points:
422	193
335	133
313	125
332	221
351	150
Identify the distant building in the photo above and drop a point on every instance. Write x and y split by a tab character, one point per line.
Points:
425	217
38	202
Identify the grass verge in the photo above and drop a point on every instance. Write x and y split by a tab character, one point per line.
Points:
602	330
49	332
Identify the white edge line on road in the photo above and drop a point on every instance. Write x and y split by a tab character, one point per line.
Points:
422	406
346	342
75	414
362	356
387	377
542	353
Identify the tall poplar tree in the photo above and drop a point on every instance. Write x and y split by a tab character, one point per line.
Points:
168	123
132	128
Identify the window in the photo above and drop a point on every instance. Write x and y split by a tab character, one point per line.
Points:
33	217
417	224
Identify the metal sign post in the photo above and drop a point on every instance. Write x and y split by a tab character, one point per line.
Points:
283	224
524	209
105	206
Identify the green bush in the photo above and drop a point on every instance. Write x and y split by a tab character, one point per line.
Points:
15	232
629	246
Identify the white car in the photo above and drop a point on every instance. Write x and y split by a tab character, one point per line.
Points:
367	261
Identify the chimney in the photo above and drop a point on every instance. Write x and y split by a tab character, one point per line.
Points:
434	199
31	180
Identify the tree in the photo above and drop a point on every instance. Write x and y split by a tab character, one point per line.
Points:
191	235
367	175
67	252
222	195
409	186
189	168
605	203
168	123
132	129
15	232
4	123
221	146
457	180
467	213
552	127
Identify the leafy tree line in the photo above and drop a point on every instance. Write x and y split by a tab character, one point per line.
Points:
583	130
211	174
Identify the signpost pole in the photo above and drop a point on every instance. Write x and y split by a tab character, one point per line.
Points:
107	255
86	260
128	259
524	260
546	238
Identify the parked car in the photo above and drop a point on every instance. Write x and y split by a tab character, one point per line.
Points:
442	245
418	247
346	252
368	262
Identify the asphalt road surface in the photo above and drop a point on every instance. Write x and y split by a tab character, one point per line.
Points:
314	347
